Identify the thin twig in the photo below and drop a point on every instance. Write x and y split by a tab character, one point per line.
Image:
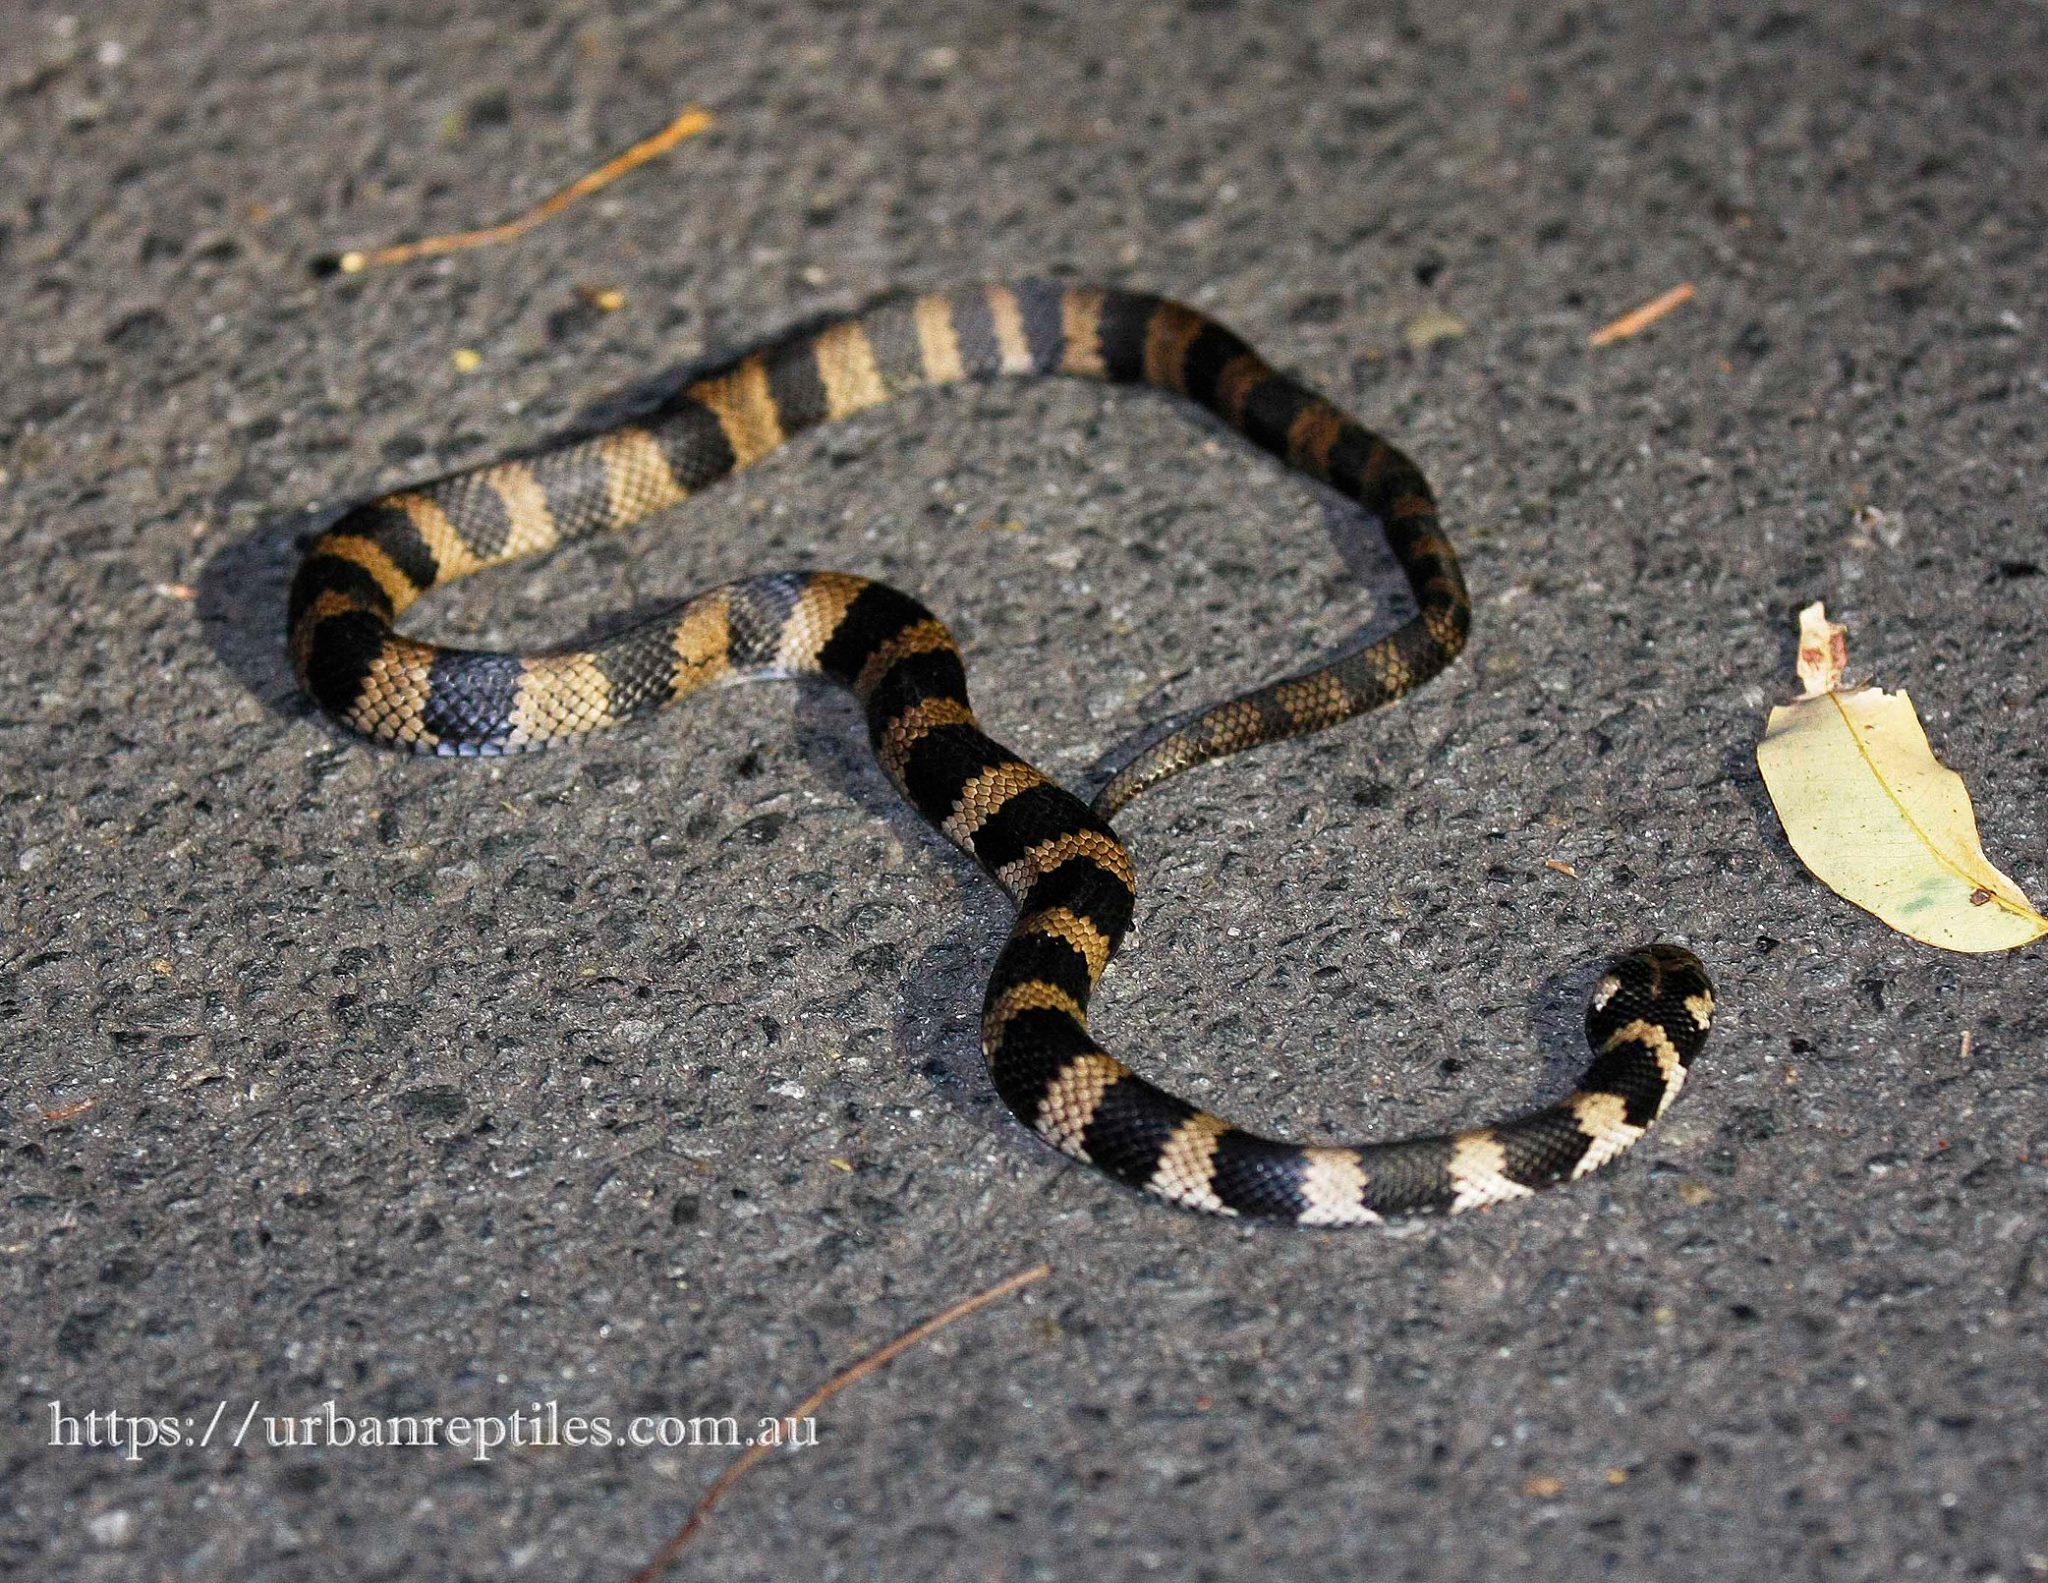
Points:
759	1452
1642	318
692	121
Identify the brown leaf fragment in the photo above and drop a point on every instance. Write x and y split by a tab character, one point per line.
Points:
1823	651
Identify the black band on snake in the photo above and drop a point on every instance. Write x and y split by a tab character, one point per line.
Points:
1070	877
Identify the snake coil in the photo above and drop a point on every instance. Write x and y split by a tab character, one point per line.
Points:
1071	878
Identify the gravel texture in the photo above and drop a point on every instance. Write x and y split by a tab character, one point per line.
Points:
642	1078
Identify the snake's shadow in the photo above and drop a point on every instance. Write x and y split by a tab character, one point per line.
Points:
1557	1025
241	608
937	1027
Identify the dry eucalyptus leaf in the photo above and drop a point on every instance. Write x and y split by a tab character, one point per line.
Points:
1876	816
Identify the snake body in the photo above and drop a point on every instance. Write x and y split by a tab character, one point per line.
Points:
1072	880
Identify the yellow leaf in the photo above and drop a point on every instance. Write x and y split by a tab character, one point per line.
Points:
1885	824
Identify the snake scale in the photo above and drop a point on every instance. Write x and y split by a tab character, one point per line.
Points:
1058	859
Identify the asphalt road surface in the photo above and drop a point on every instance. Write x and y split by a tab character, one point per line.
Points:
642	1078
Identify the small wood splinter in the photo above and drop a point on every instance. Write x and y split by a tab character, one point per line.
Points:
1640	319
760	1451
692	121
